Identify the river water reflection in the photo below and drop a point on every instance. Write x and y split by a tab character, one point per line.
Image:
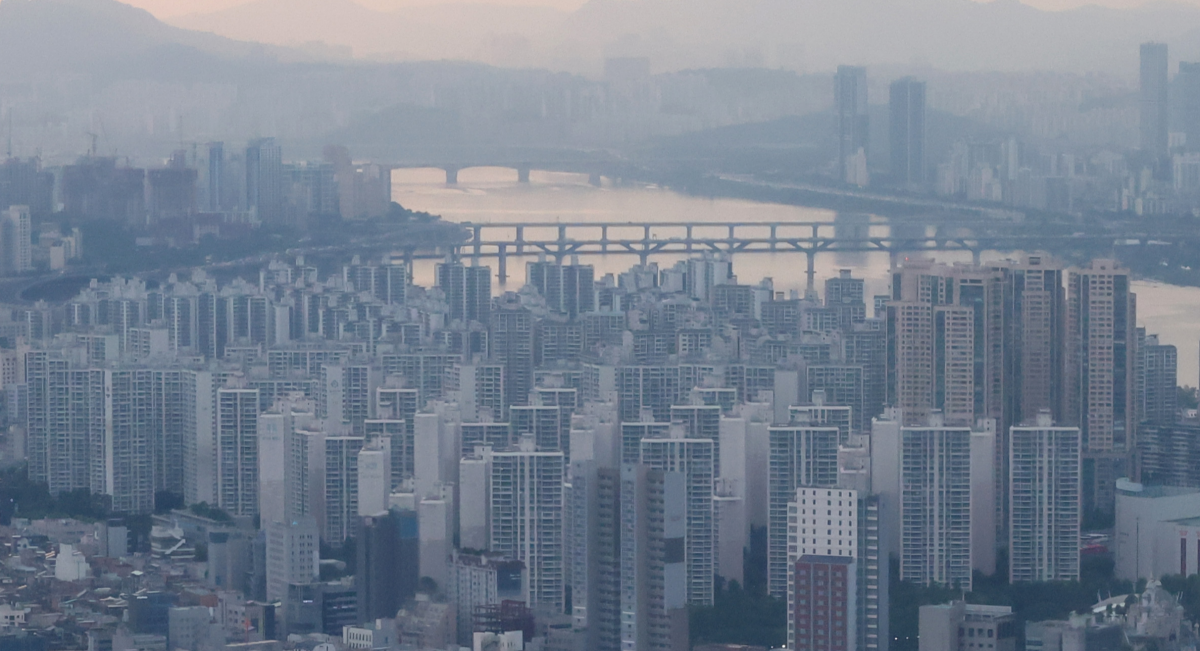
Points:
493	195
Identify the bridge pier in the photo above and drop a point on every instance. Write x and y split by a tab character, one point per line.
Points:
689	238
451	175
502	265
522	174
520	240
810	291
774	236
478	238
604	239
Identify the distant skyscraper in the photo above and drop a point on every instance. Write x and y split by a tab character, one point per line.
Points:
16	235
1153	104
1101	375
850	104
264	180
1045	475
907	132
213	184
1187	89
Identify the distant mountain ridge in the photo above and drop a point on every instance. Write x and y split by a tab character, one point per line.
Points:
451	31
807	35
105	37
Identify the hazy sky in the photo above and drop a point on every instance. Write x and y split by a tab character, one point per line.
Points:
164	8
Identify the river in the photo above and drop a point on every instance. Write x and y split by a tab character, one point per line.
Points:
493	195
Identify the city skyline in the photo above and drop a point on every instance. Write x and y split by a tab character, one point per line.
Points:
625	326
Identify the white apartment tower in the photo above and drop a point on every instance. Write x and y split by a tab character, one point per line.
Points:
525	488
946	488
1045	499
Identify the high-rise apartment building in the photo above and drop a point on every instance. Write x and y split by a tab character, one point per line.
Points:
345	394
874	569
931	360
304	474
839	385
543	423
1034	354
525	493
567	289
1101	371
906	108
1157	382
468	291
695	459
341	487
135	411
593	541
800	455
936	488
1045	471
237	450
1153	106
1035	312
401	446
653	558
511	343
977	289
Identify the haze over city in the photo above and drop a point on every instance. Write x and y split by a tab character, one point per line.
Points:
604	325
